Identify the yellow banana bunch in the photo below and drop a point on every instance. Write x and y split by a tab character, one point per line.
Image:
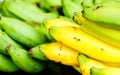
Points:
81	41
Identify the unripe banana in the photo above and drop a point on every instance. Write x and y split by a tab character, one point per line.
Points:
79	40
69	8
87	3
23	60
22	32
6	13
95	29
86	63
7	65
105	71
5	40
30	11
36	53
59	52
105	13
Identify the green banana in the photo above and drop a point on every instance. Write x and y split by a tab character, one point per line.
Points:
22	59
22	32
69	8
36	53
79	3
5	40
30	11
105	71
6	13
53	3
105	13
87	3
107	35
7	65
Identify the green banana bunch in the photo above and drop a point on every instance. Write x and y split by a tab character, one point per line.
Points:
105	71
69	8
7	65
107	35
104	13
23	60
36	53
22	32
5	40
27	11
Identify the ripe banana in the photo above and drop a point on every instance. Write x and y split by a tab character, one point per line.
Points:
105	71
47	23
5	40
79	40
105	13
107	35
69	8
7	65
59	52
58	22
22	32
85	64
36	53
22	59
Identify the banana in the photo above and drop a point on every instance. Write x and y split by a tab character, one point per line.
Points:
87	3
27	11
59	52
22	32
69	8
79	40
22	59
47	23
53	3
5	12
110	36
104	13
7	65
85	64
5	40
36	53
105	71
59	22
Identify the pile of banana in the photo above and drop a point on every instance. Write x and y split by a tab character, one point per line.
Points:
83	34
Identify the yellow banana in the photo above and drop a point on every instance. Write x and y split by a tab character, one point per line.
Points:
86	63
110	36
105	71
79	40
58	22
60	53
